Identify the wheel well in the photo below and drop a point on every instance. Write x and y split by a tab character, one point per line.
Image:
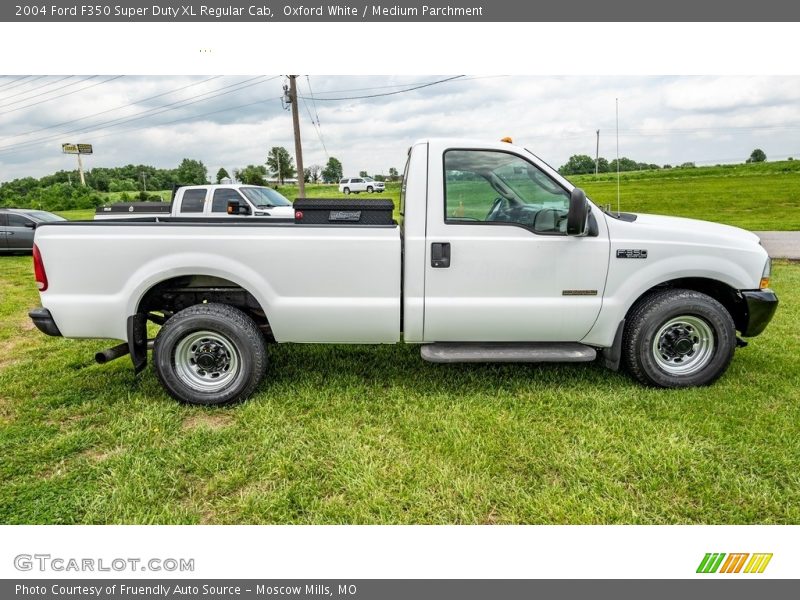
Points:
175	294
721	292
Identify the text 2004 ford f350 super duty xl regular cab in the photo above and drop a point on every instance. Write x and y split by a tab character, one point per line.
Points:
499	259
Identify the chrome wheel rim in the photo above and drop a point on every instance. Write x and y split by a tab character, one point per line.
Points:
206	361
683	345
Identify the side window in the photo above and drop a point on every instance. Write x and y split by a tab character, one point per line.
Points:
221	198
486	186
343	181
193	201
357	181
17	220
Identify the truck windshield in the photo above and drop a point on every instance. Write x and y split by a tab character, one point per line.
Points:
264	197
45	217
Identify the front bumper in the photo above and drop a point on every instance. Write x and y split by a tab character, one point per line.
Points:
760	307
44	322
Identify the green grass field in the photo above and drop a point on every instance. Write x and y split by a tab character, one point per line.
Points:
349	434
759	197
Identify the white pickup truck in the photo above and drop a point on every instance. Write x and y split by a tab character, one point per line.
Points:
499	259
205	201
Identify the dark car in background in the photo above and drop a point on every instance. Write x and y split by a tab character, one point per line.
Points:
17	226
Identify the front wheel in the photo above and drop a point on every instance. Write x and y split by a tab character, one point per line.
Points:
210	354
678	338
369	189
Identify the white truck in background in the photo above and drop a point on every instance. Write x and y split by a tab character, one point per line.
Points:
499	259
206	201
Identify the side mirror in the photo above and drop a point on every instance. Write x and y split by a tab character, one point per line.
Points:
30	225
236	208
578	214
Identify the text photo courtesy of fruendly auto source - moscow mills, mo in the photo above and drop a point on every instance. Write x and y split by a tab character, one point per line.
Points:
280	299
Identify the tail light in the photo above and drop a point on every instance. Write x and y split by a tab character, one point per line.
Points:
38	270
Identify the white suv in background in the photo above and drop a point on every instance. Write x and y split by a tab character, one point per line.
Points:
360	184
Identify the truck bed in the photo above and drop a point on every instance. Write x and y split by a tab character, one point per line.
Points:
316	283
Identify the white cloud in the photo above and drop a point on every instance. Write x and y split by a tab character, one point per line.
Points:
662	119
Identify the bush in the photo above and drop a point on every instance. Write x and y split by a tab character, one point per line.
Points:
122	185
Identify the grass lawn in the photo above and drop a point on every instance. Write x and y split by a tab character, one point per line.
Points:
348	434
758	197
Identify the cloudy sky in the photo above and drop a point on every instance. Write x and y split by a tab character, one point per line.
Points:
232	121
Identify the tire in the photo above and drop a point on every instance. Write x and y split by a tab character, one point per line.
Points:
218	337
369	189
346	191
678	338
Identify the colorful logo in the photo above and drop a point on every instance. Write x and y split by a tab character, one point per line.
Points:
713	562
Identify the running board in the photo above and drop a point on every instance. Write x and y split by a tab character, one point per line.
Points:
479	352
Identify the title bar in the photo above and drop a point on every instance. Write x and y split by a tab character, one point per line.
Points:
402	10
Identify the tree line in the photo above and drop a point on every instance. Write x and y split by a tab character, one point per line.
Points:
583	164
62	190
280	166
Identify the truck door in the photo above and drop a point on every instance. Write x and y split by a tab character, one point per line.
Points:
19	232
499	265
219	202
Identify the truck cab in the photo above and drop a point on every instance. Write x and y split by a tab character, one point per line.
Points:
212	201
206	202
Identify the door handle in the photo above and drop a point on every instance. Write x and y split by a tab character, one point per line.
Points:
440	255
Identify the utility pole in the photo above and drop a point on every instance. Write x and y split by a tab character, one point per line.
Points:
597	154
298	147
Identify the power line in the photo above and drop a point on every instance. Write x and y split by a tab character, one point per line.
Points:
316	129
316	124
311	93
411	89
142	115
62	95
110	109
401	85
139	115
181	120
37	87
45	92
2	85
31	79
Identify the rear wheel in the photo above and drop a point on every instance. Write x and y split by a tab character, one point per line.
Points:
678	338
346	191
210	354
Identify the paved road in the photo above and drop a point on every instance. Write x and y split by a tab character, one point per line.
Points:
781	244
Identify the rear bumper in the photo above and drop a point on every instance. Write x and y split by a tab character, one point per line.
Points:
44	322
761	305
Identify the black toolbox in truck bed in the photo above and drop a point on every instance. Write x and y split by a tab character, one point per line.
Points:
315	211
